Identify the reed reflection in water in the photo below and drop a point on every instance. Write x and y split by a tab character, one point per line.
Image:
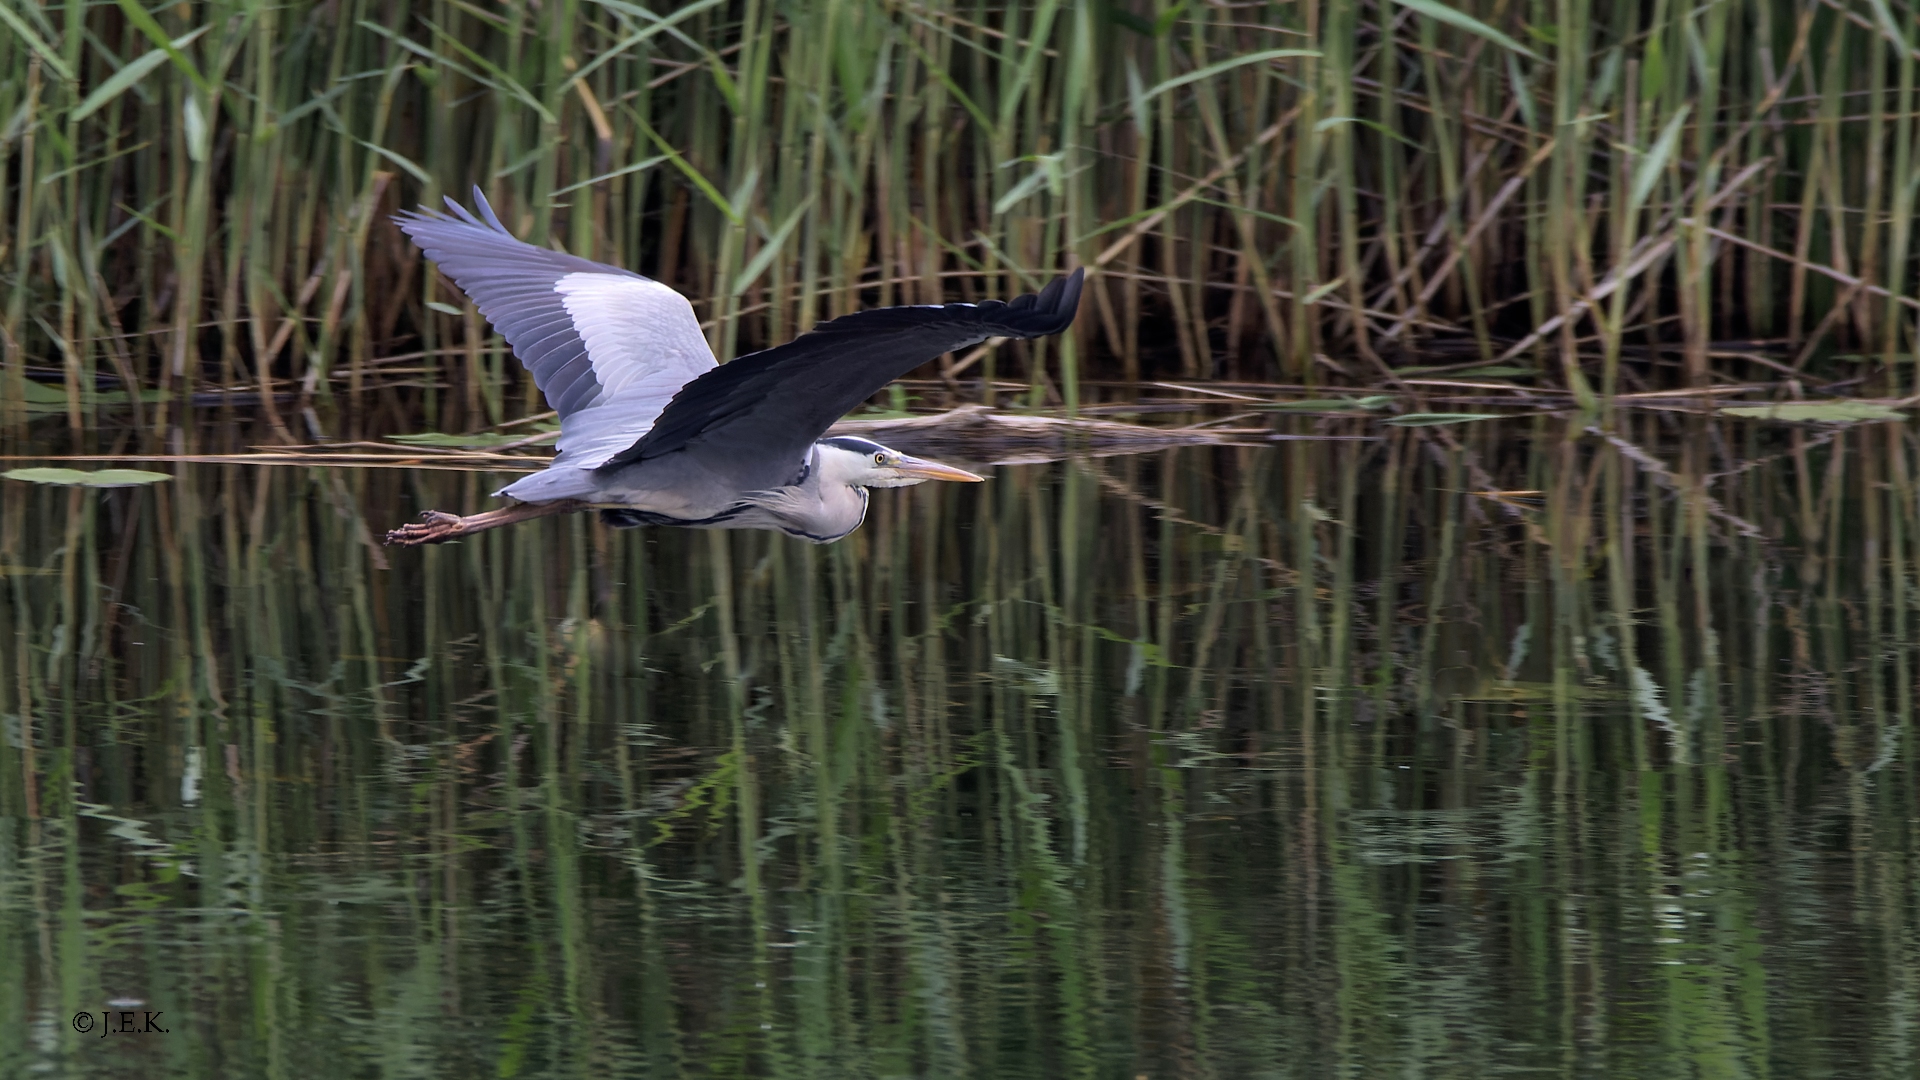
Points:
1218	762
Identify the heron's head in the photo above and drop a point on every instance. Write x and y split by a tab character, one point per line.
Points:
849	459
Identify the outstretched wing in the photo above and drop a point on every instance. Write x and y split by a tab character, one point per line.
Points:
608	347
753	419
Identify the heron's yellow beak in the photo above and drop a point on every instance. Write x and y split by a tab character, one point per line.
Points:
921	469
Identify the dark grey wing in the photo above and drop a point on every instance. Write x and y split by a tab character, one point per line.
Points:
754	418
608	347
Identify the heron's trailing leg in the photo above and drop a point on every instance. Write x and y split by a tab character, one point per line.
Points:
438	526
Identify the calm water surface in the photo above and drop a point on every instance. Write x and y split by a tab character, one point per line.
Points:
1294	761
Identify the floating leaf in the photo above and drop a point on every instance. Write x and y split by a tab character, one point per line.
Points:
1372	401
1821	412
101	478
42	398
1434	419
470	442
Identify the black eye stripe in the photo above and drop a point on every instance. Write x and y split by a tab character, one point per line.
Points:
854	443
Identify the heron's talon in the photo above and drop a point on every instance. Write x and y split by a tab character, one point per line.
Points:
435	527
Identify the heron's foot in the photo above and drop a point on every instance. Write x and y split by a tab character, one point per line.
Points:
434	527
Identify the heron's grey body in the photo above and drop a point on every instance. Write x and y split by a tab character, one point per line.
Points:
822	504
654	432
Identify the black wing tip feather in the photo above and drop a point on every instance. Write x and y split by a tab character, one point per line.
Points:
1046	312
1052	309
1033	315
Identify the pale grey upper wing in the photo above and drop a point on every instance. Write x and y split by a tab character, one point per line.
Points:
607	347
753	419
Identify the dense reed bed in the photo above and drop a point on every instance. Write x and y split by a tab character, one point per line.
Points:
1605	195
1216	762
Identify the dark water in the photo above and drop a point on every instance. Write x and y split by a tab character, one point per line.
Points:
1218	762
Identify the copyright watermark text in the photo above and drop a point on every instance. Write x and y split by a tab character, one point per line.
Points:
120	1022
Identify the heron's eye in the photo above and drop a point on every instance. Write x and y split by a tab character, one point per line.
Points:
879	459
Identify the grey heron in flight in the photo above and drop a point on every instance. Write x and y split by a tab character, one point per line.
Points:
654	432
